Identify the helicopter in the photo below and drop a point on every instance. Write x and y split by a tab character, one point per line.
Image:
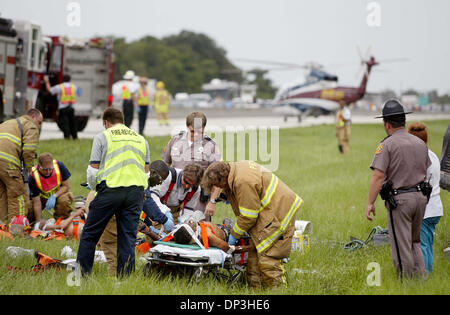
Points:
319	94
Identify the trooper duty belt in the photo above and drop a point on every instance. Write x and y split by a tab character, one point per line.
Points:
404	191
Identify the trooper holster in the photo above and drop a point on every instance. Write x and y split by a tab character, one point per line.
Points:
388	195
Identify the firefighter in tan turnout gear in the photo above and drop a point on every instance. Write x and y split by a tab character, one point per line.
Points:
265	209
343	131
18	142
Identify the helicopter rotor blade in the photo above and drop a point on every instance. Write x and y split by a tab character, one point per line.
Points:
269	62
358	50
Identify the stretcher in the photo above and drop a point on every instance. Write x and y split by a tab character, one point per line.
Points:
196	261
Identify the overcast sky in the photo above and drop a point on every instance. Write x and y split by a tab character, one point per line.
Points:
292	31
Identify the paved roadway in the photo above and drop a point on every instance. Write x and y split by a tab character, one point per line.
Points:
220	119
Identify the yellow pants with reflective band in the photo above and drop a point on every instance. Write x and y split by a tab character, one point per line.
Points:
14	199
265	271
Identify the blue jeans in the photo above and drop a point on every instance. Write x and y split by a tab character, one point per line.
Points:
426	240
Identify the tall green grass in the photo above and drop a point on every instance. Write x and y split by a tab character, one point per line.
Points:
334	188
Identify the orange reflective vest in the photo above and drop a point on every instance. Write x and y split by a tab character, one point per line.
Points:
75	228
144	99
4	232
47	186
67	94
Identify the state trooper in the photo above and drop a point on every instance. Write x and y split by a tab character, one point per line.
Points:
399	167
194	146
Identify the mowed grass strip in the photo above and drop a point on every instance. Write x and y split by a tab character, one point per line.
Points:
334	188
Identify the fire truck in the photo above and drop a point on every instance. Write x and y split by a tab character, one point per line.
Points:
26	56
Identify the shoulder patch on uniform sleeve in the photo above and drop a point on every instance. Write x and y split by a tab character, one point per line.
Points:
379	149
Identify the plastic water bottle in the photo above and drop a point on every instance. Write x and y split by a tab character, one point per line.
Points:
15	251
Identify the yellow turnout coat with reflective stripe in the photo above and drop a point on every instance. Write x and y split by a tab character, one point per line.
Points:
161	101
124	163
11	143
264	206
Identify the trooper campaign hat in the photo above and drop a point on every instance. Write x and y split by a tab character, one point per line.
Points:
392	107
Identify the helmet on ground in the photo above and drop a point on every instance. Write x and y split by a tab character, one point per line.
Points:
18	225
20	220
160	85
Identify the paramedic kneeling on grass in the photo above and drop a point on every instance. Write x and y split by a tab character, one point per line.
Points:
49	188
265	208
118	165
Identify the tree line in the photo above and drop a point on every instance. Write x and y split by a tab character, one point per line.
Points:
183	62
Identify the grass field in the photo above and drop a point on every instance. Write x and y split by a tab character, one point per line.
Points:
334	189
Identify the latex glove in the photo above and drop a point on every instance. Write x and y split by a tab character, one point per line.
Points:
169	215
231	240
158	232
138	109
168	226
51	202
91	174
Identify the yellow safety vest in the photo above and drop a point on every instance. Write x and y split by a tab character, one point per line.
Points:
126	95
143	100
124	163
47	186
339	120
67	94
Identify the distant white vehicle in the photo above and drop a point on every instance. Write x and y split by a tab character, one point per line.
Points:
181	96
201	100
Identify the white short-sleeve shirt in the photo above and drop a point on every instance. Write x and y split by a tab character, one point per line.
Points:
434	207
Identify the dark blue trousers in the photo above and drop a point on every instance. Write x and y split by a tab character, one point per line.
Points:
143	112
126	204
128	112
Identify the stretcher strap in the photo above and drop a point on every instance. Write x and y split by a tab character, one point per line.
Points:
204	235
